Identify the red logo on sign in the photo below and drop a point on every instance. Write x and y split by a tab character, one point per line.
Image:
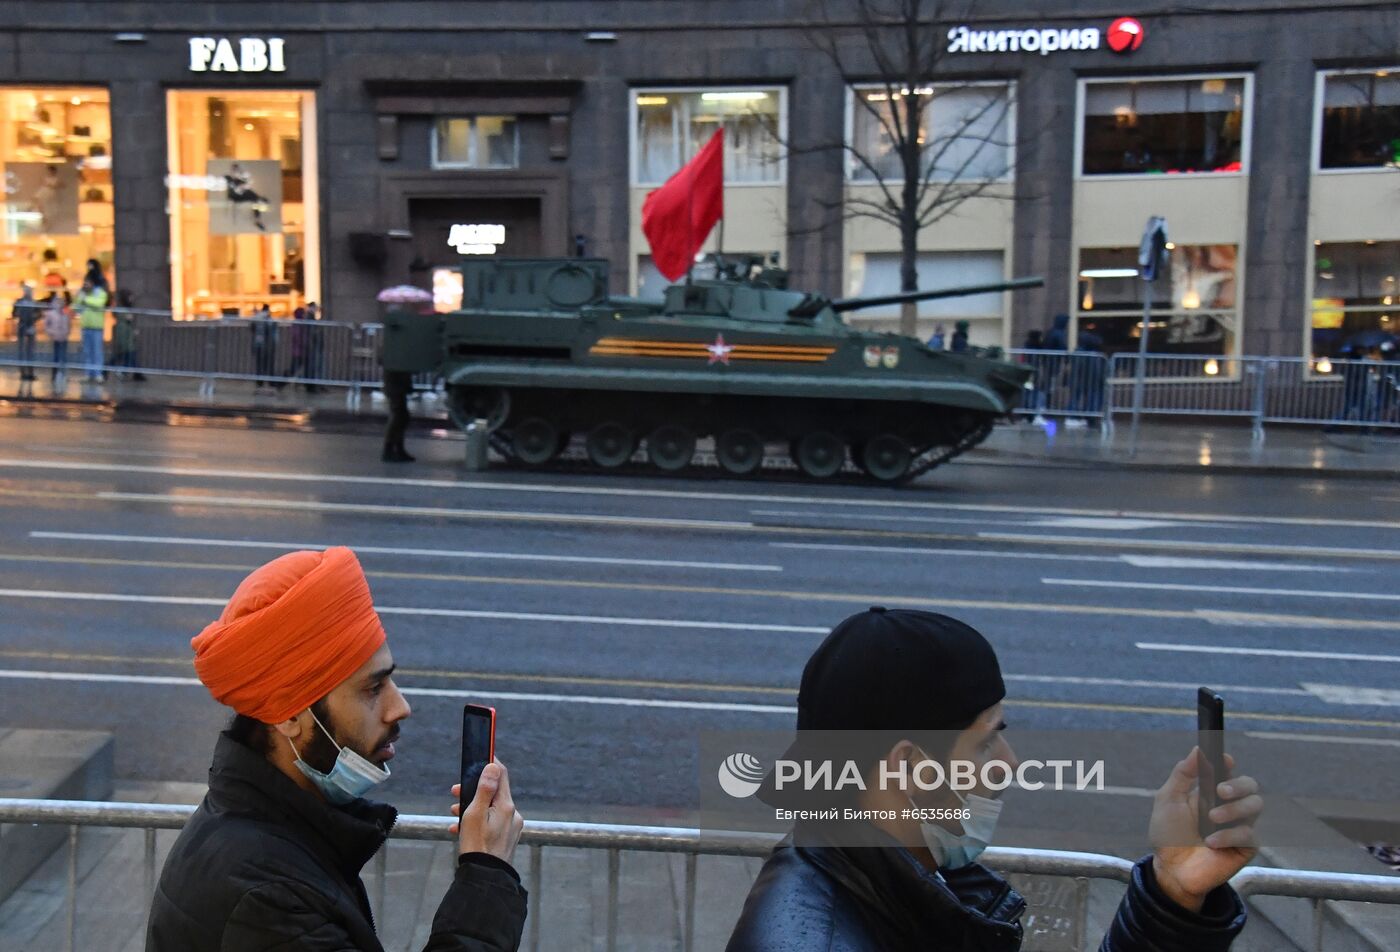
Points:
1125	35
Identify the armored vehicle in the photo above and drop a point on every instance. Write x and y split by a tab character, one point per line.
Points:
542	353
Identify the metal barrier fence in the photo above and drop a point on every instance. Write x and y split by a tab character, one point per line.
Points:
1084	385
1320	887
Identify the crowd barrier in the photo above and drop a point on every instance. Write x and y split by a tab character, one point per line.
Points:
1073	385
1253	881
1292	390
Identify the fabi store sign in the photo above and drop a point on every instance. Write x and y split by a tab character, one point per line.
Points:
1124	35
249	54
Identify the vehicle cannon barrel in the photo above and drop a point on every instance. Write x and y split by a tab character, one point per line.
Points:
1015	284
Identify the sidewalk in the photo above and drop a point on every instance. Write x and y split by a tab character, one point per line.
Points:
1214	445
1211	445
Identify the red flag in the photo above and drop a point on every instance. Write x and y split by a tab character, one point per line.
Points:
678	216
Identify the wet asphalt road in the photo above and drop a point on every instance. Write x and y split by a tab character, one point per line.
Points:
614	621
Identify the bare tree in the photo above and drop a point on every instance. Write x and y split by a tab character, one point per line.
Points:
924	141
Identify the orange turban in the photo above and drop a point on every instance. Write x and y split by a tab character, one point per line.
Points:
293	630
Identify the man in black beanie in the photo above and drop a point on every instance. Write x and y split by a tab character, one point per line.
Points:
929	689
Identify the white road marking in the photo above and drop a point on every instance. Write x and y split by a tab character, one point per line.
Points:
1166	685
1222	589
1323	738
89	450
1351	694
1104	523
1232	547
912	550
390	550
304	505
88	467
886	517
436	612
1268	652
1184	562
78	676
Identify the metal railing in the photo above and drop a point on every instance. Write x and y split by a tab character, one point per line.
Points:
1064	383
1320	887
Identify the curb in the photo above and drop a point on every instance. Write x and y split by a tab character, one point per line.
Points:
981	457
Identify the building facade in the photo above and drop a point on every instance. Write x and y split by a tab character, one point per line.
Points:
218	156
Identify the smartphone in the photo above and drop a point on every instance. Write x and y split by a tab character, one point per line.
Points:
478	747
1210	737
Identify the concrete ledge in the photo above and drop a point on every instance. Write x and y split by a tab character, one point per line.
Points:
47	765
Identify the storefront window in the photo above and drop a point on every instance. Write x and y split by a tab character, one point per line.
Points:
877	274
1360	120
1355	293
964	133
1193	313
1163	126
476	142
673	125
56	161
243	202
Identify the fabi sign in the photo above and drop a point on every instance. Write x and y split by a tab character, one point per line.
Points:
249	54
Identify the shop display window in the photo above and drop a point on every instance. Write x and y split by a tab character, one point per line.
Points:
964	134
1355	298
670	126
476	142
243	202
1163	126
1360	120
1194	312
56	163
877	274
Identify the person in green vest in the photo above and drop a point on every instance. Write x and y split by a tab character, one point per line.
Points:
91	305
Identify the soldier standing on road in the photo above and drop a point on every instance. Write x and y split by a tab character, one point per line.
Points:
398	384
272	857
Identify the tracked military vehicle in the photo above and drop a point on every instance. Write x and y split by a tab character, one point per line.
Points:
541	352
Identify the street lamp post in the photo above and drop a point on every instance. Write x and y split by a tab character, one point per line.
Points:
1152	260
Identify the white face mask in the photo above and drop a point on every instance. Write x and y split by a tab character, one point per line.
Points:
951	850
350	778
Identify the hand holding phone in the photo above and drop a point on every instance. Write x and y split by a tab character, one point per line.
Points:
489	822
1210	738
478	748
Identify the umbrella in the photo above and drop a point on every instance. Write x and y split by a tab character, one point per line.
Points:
405	294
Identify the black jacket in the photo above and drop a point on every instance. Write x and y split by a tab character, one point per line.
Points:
263	864
868	899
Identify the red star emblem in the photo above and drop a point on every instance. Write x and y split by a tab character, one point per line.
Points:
719	350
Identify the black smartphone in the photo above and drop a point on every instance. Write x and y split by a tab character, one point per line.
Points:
1210	738
478	747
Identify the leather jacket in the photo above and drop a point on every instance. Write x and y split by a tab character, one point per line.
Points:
818	898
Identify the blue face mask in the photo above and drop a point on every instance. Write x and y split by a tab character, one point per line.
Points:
350	779
951	850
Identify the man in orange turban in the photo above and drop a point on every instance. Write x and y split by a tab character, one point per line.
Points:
272	857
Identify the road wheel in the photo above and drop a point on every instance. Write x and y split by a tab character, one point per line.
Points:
886	457
670	446
819	454
610	445
739	451
465	404
535	440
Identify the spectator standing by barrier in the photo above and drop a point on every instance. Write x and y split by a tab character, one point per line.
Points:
271	859
124	334
960	343
935	342
58	323
26	314
92	303
264	336
913	882
315	347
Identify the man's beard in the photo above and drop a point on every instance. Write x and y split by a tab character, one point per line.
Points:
320	752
